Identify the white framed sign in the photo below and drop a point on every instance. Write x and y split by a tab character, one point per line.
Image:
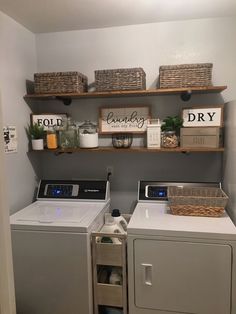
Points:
124	119
48	119
203	116
10	139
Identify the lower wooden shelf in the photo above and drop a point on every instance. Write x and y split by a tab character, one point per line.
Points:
134	149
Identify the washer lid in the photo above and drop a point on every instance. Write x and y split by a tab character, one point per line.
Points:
156	219
61	215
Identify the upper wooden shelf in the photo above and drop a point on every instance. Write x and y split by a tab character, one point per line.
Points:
150	92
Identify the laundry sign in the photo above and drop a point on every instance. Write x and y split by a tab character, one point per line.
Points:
125	119
203	116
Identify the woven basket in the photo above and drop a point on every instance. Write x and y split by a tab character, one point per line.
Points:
120	79
185	75
197	201
60	82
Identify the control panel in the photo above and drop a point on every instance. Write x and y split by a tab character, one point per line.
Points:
73	189
157	192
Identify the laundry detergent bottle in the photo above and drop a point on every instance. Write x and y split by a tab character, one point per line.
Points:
119	220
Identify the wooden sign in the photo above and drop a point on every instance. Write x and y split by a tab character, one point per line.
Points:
48	119
125	119
203	116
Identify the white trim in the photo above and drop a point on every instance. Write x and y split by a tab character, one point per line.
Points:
7	294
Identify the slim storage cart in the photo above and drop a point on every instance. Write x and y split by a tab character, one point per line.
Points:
104	257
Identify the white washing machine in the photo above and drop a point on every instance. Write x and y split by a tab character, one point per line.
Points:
51	247
179	264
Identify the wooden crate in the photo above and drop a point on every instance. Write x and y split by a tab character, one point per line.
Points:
202	137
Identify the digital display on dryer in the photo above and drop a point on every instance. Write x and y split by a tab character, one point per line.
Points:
156	192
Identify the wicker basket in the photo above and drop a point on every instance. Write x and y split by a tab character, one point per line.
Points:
120	79
197	201
60	82
185	75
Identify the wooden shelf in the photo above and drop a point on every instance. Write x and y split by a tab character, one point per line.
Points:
134	149
150	92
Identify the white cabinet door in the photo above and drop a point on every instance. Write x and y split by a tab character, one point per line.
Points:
182	276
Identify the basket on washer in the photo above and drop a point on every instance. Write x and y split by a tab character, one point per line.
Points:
185	75
120	79
60	82
197	201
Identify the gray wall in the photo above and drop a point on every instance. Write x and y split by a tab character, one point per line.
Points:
131	167
17	63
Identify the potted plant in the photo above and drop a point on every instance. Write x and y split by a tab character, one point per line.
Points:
171	128
35	134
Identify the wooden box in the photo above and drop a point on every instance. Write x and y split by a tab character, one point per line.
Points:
202	137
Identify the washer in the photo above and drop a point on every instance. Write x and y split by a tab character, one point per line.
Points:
51	247
179	264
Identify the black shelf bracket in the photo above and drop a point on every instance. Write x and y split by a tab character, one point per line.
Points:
186	96
66	100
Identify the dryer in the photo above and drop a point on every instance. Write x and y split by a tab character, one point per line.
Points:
179	264
51	246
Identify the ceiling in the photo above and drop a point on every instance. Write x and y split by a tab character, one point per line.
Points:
43	16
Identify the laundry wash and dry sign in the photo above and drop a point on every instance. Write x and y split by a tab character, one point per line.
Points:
124	119
203	116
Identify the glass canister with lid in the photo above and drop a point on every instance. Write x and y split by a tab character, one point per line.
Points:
88	135
68	134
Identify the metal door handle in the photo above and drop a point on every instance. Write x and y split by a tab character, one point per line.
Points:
147	274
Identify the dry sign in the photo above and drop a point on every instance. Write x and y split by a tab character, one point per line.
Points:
203	117
126	119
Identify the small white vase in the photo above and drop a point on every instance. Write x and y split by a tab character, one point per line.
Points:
37	144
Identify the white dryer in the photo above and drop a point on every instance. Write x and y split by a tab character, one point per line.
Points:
51	247
179	264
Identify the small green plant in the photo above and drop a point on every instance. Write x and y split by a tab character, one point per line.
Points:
172	124
35	131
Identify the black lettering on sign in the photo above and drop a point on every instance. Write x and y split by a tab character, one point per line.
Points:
132	118
200	116
211	115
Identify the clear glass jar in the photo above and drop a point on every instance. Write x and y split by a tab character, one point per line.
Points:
88	135
68	134
51	138
169	139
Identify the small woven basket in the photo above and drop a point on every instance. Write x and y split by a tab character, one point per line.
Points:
60	82
185	75
197	201
120	79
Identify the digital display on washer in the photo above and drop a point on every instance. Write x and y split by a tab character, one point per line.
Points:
157	192
61	190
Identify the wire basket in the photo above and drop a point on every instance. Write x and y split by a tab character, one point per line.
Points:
197	201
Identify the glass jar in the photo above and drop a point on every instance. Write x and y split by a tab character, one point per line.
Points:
68	134
169	139
51	138
88	135
122	140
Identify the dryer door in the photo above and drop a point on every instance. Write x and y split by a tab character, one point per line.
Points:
182	277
